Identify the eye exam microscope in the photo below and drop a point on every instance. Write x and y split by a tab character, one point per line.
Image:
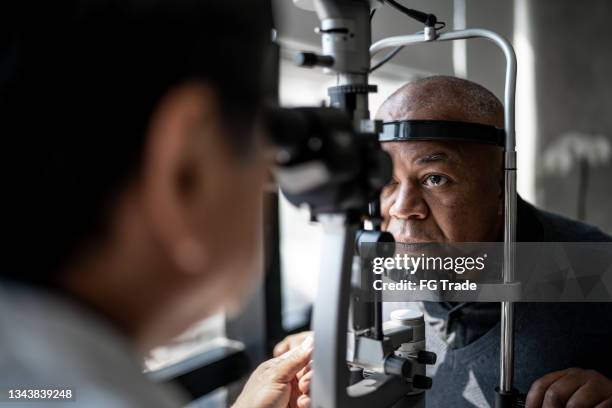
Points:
329	160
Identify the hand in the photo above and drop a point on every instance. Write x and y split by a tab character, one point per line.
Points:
304	377
573	387
270	385
291	342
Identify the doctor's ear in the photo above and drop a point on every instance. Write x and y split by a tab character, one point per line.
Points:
182	142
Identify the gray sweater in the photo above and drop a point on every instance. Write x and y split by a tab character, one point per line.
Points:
548	336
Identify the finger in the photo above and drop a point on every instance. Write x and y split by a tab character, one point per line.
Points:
561	390
605	404
297	339
304	370
290	342
586	396
295	393
281	348
304	383
286	366
303	401
535	396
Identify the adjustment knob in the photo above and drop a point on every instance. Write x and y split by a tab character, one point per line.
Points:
426	357
398	366
310	59
421	382
355	374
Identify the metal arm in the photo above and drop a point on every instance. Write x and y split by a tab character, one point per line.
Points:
507	308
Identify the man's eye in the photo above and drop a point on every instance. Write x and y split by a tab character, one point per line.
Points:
435	180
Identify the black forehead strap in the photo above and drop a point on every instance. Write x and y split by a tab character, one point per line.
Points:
442	130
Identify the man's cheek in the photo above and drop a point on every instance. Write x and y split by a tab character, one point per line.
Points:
386	201
450	219
461	225
384	210
450	200
385	225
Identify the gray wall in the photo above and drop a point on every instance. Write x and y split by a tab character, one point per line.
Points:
485	62
573	76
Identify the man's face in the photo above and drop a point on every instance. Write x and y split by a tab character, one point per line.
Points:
443	192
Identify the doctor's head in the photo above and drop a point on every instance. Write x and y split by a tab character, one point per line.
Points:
139	172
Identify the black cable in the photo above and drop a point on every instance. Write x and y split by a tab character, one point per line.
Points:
386	58
429	20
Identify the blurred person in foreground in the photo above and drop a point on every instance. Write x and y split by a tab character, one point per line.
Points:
452	191
135	175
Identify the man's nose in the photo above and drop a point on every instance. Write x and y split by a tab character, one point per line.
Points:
409	203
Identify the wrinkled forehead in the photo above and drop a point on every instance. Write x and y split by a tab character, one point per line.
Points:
460	155
408	151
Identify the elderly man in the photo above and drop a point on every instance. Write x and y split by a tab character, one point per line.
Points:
452	191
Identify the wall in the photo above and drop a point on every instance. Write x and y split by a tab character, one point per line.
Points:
573	77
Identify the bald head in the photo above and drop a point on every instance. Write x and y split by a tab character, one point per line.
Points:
443	98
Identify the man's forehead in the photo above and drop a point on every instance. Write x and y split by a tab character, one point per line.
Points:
426	151
459	155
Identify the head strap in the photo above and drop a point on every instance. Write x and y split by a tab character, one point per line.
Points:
442	130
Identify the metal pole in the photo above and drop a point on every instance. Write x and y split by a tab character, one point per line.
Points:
330	315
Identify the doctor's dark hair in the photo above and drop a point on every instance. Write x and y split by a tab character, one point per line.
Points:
79	81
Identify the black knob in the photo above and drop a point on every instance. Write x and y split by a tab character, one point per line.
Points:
421	382
426	357
310	59
355	374
398	366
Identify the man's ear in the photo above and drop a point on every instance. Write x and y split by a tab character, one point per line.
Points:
176	139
